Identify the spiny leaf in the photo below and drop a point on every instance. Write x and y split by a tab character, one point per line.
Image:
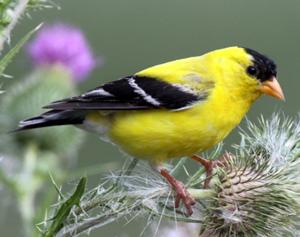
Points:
40	4
65	209
56	187
13	52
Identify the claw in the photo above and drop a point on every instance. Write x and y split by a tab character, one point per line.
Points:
181	192
183	195
209	165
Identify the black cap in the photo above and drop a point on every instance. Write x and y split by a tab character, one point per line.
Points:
266	68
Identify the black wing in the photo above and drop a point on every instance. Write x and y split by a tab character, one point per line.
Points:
132	93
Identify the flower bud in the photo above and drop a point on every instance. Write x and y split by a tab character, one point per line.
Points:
64	45
252	199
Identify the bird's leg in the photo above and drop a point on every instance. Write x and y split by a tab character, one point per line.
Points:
180	190
209	165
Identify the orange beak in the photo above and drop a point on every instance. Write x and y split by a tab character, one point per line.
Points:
271	87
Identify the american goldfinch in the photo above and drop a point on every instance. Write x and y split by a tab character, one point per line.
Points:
170	110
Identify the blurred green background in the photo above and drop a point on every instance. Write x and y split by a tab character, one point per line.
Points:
133	34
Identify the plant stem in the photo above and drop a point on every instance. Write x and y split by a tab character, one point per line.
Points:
201	193
27	190
18	12
98	221
110	216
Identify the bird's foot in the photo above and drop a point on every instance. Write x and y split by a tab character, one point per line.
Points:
209	165
181	192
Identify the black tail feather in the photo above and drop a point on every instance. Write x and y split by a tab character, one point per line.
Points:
52	118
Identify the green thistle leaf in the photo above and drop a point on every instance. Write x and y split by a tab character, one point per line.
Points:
13	52
65	209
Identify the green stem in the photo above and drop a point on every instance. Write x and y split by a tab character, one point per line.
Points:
27	189
98	221
113	215
201	194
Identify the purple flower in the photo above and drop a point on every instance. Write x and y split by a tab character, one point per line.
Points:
63	44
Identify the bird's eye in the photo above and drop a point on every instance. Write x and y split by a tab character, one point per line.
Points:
252	70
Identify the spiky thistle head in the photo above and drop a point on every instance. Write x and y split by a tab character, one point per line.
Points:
252	199
257	189
277	139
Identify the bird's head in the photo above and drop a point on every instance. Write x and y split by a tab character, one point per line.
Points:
247	71
264	70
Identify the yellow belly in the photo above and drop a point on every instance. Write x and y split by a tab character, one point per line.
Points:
161	135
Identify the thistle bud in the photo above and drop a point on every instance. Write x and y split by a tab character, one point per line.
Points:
64	45
257	190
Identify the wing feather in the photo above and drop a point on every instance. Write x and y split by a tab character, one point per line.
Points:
132	93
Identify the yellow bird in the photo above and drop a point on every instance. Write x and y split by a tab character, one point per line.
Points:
170	110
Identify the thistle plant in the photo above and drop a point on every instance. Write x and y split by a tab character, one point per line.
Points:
66	46
10	13
253	192
55	75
